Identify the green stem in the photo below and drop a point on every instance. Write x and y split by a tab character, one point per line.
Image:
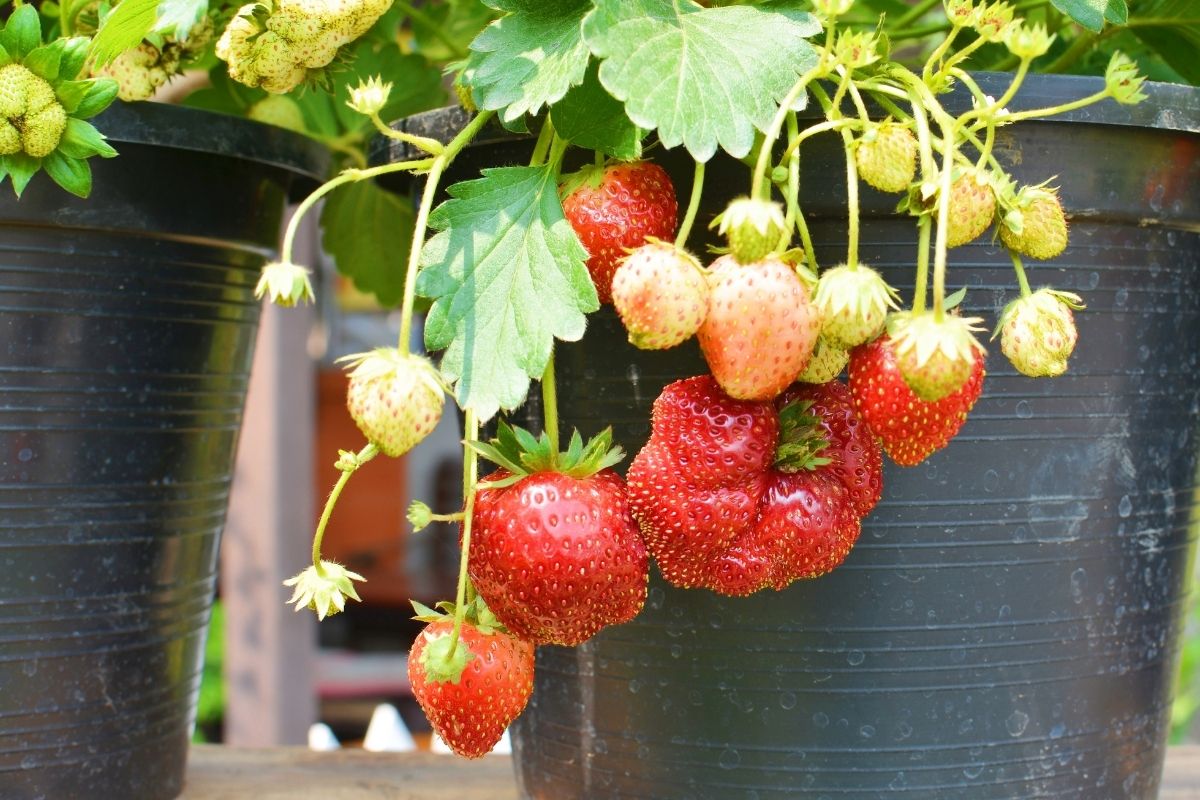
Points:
851	200
362	457
431	146
431	25
550	405
1052	110
346	176
921	287
470	478
794	216
984	112
1020	270
920	32
936	55
689	218
758	183
939	247
440	163
813	130
542	146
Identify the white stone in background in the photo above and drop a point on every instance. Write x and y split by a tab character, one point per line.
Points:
387	732
321	738
502	748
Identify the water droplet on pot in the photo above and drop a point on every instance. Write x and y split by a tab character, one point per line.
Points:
1057	731
729	758
972	772
991	480
29	668
1125	507
821	719
855	657
867	731
1024	410
25	454
787	701
28	762
1016	723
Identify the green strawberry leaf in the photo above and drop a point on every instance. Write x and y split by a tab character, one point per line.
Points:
99	96
591	118
46	60
448	25
74	55
72	174
528	58
1171	30
21	168
123	30
81	140
1092	14
22	33
374	263
507	276
703	77
177	17
71	93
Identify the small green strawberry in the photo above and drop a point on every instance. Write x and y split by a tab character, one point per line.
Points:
886	156
853	303
972	206
1036	226
827	363
753	228
661	294
280	111
935	357
1037	332
395	398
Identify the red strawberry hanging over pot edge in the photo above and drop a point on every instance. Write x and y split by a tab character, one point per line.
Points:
554	548
738	496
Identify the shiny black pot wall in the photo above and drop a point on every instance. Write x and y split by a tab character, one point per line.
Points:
127	322
1008	624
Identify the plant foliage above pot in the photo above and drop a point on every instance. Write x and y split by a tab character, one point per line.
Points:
755	476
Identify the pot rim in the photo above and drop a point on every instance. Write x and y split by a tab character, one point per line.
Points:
176	127
1168	107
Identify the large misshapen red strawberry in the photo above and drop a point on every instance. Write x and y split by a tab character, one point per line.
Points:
473	688
554	548
614	209
761	327
909	428
738	496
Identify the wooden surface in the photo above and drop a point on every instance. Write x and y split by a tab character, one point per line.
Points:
222	773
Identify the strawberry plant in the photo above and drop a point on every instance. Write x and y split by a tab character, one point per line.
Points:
755	476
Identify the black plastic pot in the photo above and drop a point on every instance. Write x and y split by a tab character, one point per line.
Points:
128	324
1008	625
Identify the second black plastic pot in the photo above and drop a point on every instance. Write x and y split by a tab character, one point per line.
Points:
128	322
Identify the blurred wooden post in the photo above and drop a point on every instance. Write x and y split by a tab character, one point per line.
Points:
270	649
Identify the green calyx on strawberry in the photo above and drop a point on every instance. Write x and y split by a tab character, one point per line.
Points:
285	284
395	398
909	428
761	326
935	356
886	156
1035	224
615	208
554	548
661	294
324	588
1037	332
853	302
737	496
753	228
471	688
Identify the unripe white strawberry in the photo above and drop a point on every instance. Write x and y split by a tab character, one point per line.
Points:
43	130
753	228
1037	226
886	157
10	139
14	90
661	295
395	398
1037	333
827	363
853	303
935	357
972	207
140	72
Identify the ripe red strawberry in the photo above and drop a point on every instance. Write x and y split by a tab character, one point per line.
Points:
661	294
395	398
614	209
761	327
909	428
554	548
737	495
472	695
